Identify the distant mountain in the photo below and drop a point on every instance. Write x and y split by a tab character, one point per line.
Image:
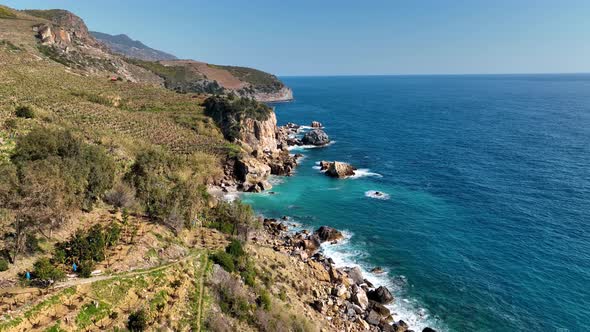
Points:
128	47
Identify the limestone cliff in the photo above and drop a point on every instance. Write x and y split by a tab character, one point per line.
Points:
253	126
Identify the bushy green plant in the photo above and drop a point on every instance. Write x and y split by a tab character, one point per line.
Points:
225	260
138	321
43	270
264	300
87	248
25	112
169	186
235	248
3	264
85	269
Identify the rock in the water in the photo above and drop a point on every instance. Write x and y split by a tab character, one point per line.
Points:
339	169
377	270
324	165
316	124
400	326
316	137
328	234
381	295
428	329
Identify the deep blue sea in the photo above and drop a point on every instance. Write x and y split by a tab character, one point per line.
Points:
486	226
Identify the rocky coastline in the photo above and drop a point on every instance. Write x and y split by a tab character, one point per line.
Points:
342	294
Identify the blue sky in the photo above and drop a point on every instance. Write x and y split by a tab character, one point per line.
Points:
325	37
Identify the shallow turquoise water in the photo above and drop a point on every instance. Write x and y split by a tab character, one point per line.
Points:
487	223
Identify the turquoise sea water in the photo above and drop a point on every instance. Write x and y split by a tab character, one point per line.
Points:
487	224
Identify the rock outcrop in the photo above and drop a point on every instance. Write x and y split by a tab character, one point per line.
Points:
328	234
337	169
316	124
381	295
316	137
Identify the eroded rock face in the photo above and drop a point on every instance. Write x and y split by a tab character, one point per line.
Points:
260	135
316	137
253	173
340	170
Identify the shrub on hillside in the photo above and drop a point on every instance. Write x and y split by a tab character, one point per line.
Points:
170	187
25	112
235	248
138	321
43	270
225	260
3	264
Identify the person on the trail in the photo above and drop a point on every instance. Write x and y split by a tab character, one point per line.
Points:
74	267
28	275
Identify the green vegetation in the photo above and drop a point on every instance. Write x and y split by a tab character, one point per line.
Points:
3	264
138	321
51	173
25	112
44	271
6	13
261	81
180	78
235	218
86	248
229	113
170	186
90	313
48	14
54	54
8	44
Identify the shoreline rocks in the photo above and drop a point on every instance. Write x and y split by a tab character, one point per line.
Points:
342	294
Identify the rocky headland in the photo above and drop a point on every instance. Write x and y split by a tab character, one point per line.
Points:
343	294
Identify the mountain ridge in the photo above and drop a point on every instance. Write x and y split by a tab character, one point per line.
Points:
125	45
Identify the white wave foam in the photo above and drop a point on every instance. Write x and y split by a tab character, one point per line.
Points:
363	172
305	147
317	167
377	195
406	309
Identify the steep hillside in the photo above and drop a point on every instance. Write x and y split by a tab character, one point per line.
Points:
63	37
122	44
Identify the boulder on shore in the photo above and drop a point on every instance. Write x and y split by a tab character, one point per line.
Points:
316	137
381	295
340	170
328	234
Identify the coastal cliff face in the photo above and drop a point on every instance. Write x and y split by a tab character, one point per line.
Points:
260	135
284	94
253	127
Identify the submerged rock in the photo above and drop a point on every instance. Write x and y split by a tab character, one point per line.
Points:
316	137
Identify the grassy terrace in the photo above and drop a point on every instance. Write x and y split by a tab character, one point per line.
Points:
120	111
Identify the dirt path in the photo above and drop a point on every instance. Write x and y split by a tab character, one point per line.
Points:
201	291
83	281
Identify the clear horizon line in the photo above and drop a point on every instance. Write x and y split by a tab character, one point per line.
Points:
445	74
